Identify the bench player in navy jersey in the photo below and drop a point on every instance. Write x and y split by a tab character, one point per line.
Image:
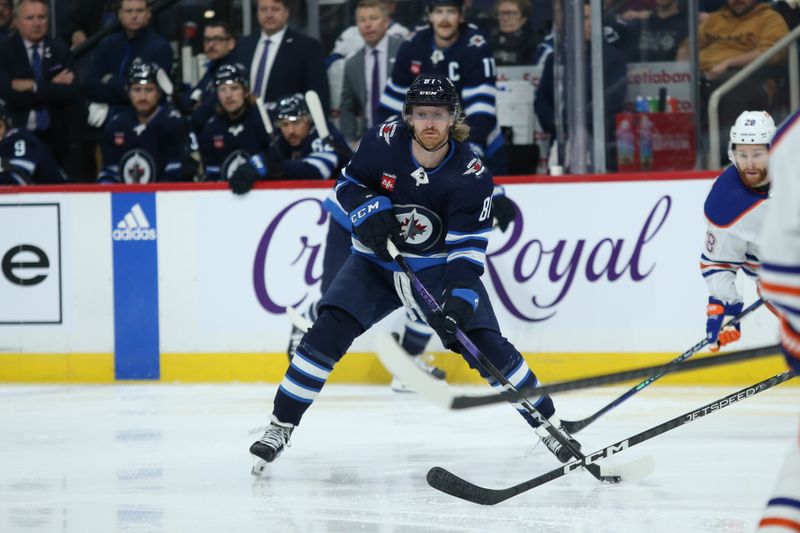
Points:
413	181
735	210
24	159
235	133
296	152
148	141
459	51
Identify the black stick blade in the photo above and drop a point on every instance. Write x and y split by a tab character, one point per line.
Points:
442	480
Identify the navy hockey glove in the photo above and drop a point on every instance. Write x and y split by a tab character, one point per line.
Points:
504	211
247	174
374	222
716	312
457	310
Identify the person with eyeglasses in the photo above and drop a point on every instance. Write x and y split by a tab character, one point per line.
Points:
513	42
199	101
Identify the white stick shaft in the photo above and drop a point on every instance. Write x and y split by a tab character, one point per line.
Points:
264	116
317	114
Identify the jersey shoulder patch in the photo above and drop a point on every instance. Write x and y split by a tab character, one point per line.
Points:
730	199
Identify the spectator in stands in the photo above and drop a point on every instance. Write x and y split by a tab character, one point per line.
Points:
200	100
24	160
351	40
146	141
729	39
513	42
136	42
365	72
5	18
235	133
86	17
282	61
615	84
660	34
36	79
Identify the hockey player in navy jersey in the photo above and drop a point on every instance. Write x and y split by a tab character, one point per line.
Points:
235	133
297	152
459	51
24	159
780	284
415	182
148	141
735	210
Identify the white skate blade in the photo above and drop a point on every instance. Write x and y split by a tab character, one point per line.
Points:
259	466
632	471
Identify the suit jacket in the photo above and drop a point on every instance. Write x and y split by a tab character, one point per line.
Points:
14	64
352	118
299	66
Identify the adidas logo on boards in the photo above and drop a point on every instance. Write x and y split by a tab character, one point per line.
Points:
134	226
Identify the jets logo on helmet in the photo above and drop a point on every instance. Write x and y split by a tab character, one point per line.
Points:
751	127
142	74
230	73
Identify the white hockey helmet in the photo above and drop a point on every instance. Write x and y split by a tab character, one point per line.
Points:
751	127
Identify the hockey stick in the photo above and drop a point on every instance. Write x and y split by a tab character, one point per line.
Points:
317	114
449	483
577	425
487	365
463	402
264	117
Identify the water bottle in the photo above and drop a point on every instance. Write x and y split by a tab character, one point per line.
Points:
625	147
646	142
641	105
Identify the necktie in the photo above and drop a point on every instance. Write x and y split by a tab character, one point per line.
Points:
260	73
42	117
375	88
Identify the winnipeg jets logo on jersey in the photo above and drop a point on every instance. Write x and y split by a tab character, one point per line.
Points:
234	160
477	41
420	176
387	131
474	167
419	226
236	130
137	166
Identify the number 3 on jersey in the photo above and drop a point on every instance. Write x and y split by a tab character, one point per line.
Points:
486	210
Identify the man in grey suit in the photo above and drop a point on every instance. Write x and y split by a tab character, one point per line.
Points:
366	71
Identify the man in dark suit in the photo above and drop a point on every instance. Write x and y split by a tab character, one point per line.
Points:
361	92
35	78
282	61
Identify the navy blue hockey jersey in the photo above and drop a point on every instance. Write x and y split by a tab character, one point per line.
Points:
26	160
444	212
313	159
143	153
470	66
225	144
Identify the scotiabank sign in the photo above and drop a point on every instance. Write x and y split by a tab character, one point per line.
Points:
30	264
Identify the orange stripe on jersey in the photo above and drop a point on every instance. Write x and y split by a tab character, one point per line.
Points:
791	525
781	289
717	265
737	219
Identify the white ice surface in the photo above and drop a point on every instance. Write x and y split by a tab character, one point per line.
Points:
174	458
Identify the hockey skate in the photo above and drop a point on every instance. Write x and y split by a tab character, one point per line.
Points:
270	445
294	341
423	362
552	444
